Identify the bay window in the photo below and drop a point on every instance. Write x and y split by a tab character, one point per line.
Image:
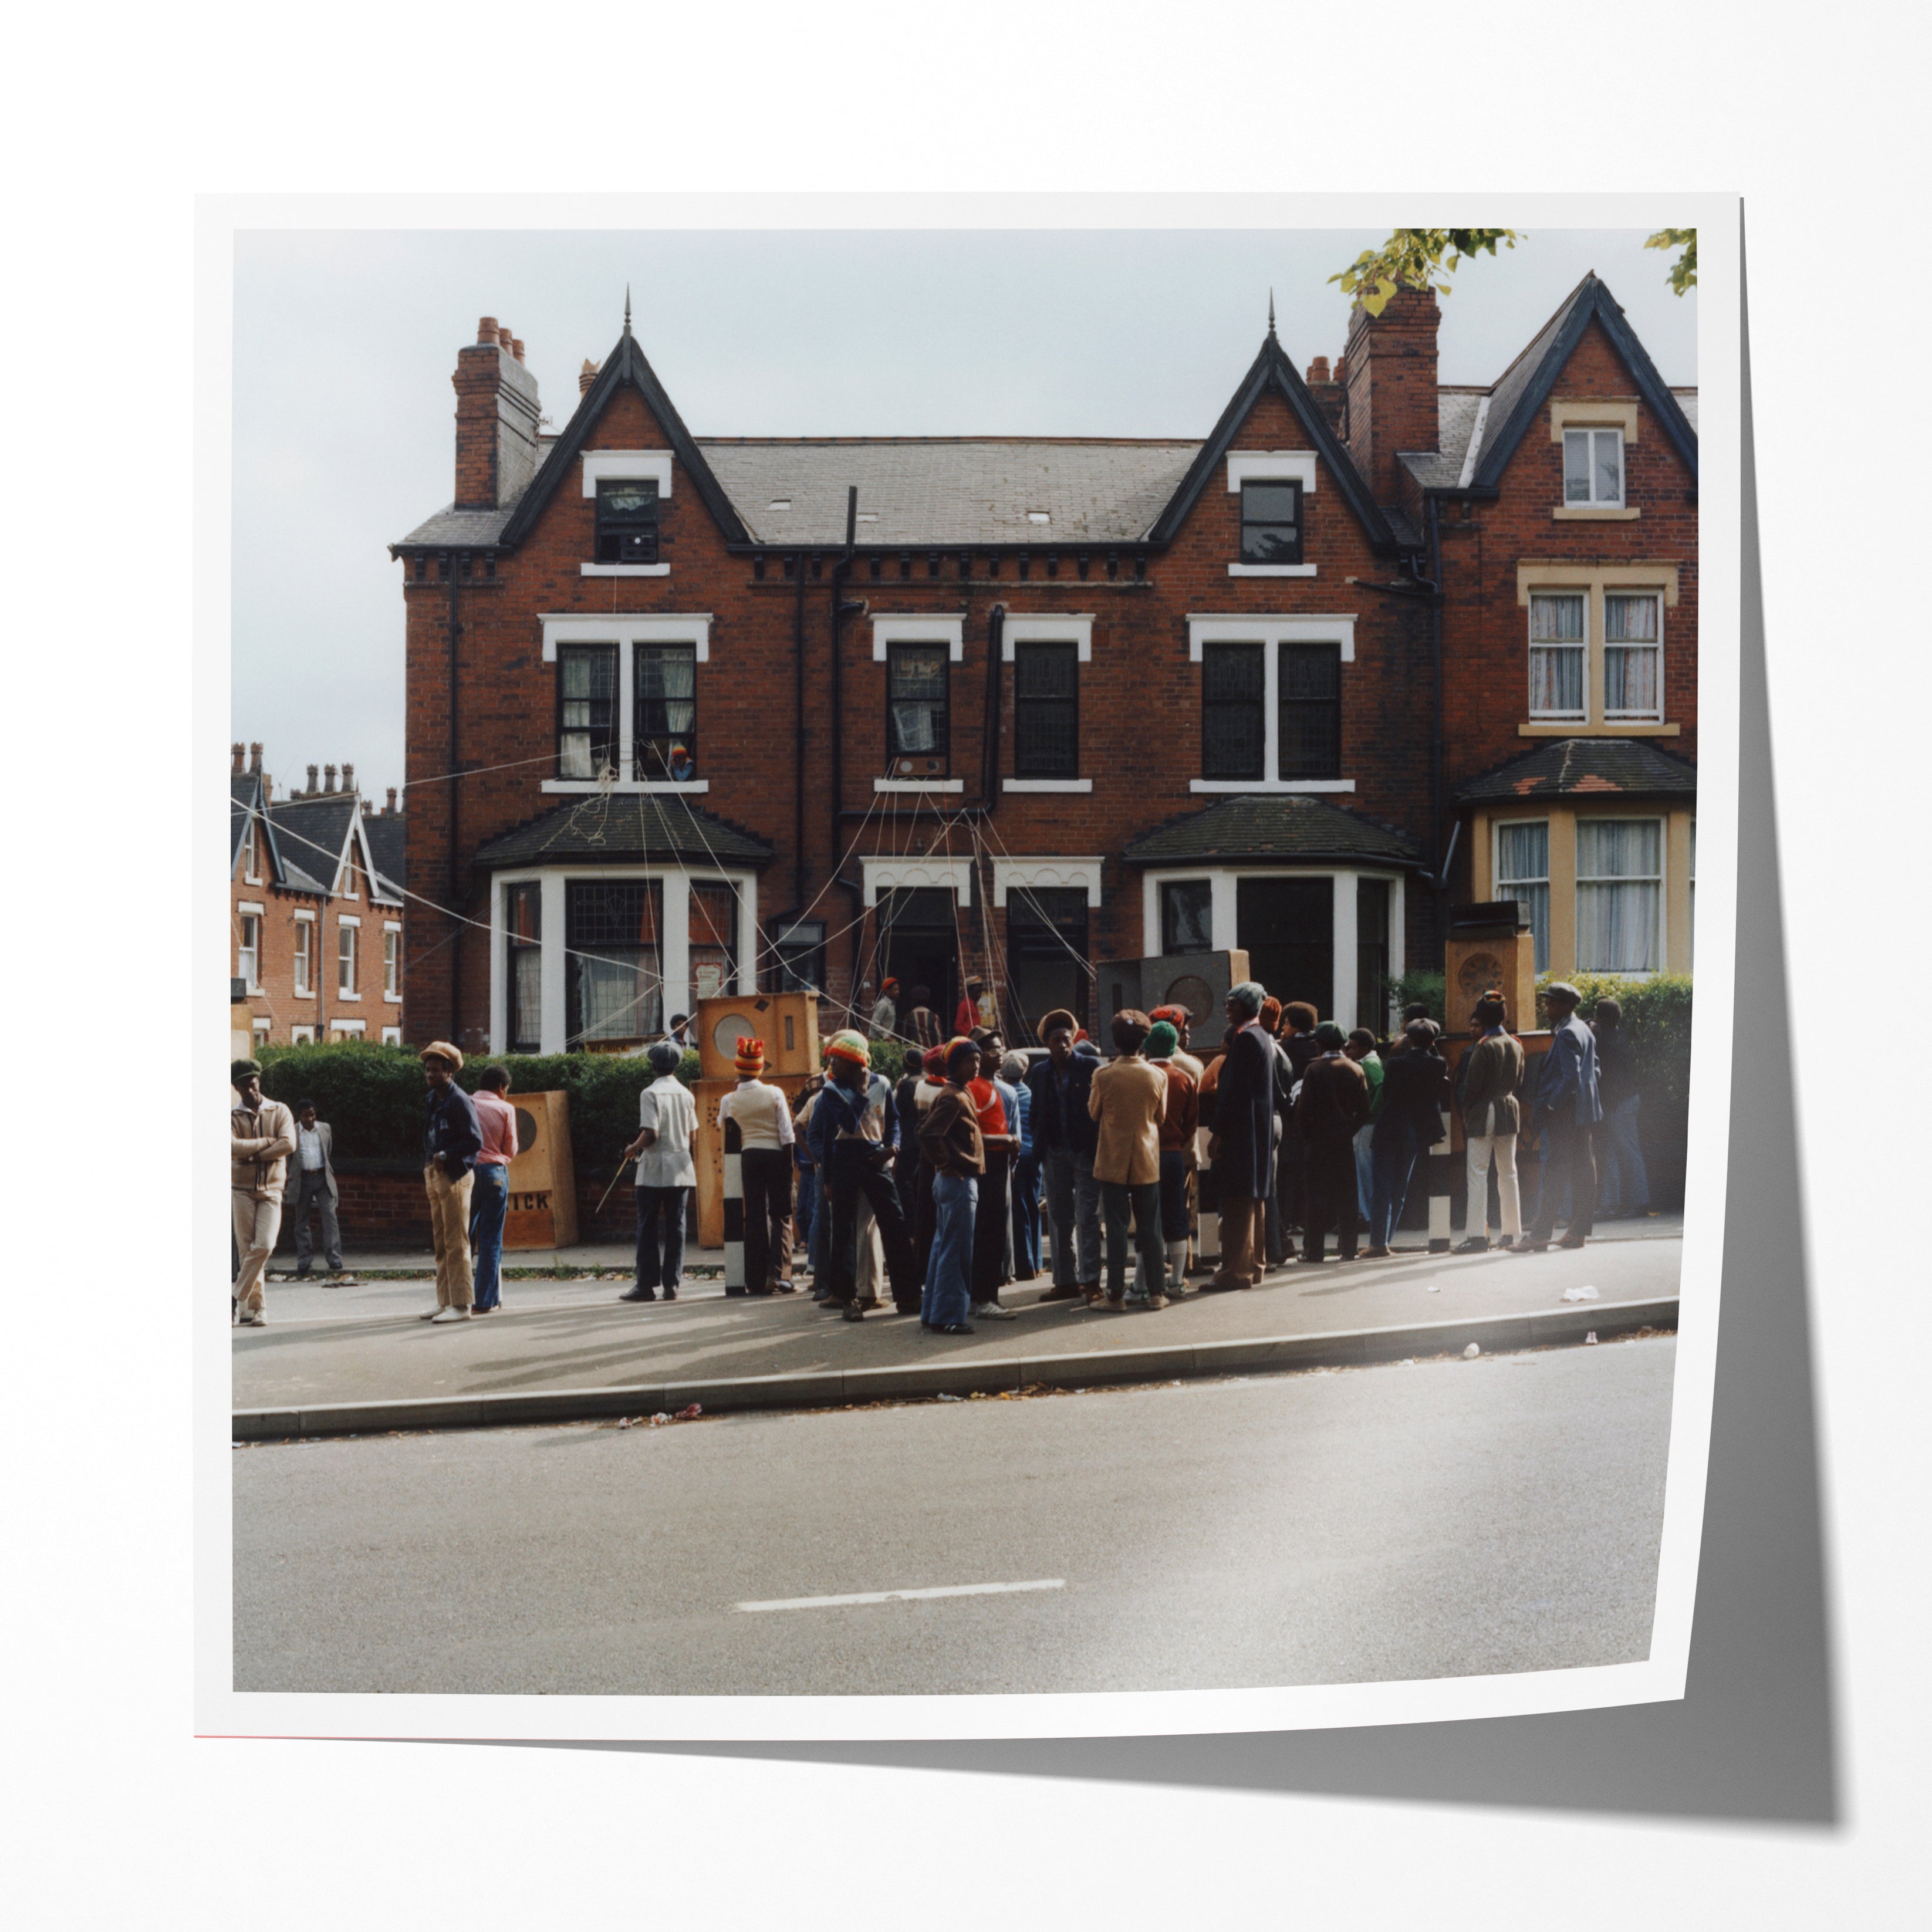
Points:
615	962
1619	894
523	932
1523	874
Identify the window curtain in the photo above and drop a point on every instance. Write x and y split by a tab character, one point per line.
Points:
1619	864
1556	656
1523	874
1631	655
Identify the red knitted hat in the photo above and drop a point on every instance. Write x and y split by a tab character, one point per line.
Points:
751	1054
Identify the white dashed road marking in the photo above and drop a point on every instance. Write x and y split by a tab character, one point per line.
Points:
904	1596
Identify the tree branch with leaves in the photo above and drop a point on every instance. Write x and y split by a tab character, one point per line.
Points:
1425	258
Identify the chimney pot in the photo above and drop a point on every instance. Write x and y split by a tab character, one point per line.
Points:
585	376
328	778
517	348
254	757
392	804
1318	370
349	778
312	770
486	330
238	752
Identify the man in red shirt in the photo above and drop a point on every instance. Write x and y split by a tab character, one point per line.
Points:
490	1193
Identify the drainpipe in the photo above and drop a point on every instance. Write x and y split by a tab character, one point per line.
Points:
1435	729
798	870
840	567
455	795
989	744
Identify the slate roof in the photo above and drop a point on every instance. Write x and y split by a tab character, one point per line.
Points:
1255	826
311	832
1573	766
388	846
626	828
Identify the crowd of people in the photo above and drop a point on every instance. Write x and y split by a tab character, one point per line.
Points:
978	1167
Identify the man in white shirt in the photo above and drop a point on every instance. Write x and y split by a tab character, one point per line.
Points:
886	1012
763	1116
667	1126
315	1187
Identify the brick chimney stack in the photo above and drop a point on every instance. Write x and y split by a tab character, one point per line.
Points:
391	806
497	418
1391	388
238	752
255	757
328	779
349	778
312	771
585	376
1326	391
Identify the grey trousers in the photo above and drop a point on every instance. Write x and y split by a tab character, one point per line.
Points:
1073	1217
312	1190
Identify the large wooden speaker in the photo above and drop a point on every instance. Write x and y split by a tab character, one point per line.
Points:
708	1154
1198	981
1489	946
787	1023
543	1176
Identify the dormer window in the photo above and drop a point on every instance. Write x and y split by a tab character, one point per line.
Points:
1593	468
1271	522
627	519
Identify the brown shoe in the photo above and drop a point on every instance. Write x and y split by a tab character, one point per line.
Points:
1072	1291
1572	1241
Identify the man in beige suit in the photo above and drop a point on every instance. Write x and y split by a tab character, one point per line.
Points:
263	1133
1129	1099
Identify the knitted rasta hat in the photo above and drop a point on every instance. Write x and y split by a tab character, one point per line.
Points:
848	1044
750	1060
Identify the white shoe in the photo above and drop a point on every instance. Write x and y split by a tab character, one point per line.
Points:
430	1314
450	1315
251	1317
994	1311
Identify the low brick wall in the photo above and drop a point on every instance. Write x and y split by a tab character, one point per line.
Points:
380	1204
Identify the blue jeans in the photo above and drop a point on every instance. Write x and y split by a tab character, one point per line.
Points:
1623	1187
661	1238
1073	1217
805	1206
1395	1158
1365	1173
489	1203
1026	1214
949	1274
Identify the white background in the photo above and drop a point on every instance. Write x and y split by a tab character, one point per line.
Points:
116	1813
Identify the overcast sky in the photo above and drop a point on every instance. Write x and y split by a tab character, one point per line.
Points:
345	343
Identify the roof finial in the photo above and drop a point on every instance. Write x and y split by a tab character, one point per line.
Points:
627	308
1271	313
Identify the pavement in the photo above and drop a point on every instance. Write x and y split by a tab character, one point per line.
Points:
351	1359
1453	1518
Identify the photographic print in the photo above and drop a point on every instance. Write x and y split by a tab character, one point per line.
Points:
964	948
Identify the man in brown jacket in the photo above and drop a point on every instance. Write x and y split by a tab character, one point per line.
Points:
263	1133
1492	1071
1332	1102
1129	1099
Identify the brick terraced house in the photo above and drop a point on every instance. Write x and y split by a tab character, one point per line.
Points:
317	913
733	714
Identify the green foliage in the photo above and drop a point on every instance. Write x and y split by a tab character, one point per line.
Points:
1684	270
373	1095
1416	258
1429	989
1656	1023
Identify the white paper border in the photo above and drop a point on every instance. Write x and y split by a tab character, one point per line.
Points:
220	1710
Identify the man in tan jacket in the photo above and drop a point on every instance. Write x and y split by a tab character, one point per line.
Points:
1491	1072
263	1135
1129	1099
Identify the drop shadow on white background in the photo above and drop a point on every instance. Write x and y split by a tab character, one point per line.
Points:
1755	1736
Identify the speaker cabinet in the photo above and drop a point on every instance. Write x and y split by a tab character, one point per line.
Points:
787	1023
543	1176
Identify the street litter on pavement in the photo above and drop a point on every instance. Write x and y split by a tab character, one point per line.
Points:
1474	1349
1579	1294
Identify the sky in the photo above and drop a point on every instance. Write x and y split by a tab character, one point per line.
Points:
344	345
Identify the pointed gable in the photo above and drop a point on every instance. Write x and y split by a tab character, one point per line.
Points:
1526	387
625	365
1272	373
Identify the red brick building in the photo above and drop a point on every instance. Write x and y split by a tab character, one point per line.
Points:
688	713
317	913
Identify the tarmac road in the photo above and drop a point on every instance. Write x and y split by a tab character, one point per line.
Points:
1445	1518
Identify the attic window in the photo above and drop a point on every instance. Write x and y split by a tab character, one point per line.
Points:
1271	523
1039	516
627	519
779	503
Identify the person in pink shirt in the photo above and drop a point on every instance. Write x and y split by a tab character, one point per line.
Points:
490	1195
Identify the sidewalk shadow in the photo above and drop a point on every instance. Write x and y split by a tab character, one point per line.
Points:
1755	1736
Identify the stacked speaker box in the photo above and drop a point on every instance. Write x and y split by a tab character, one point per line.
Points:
543	1177
1198	981
787	1023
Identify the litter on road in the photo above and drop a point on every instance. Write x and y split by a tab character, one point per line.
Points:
1579	1294
1474	1349
904	1596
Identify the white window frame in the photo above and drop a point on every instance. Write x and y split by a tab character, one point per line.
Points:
626	466
251	852
392	961
353	1028
1661	945
884	875
1047	875
1655	715
1590	432
1497	827
251	916
911	627
626	630
303	1035
1271	633
262	1028
1274	465
1224	882
353	929
303	962
675	952
392	1036
1587	599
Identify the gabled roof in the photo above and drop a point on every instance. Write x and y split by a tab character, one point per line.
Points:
1272	370
385	835
1581	767
626	828
1525	386
624	363
315	833
1271	827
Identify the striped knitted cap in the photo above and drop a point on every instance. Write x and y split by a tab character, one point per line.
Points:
849	1046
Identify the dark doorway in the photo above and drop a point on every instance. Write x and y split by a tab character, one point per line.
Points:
1046	958
1287	927
1372	955
918	946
